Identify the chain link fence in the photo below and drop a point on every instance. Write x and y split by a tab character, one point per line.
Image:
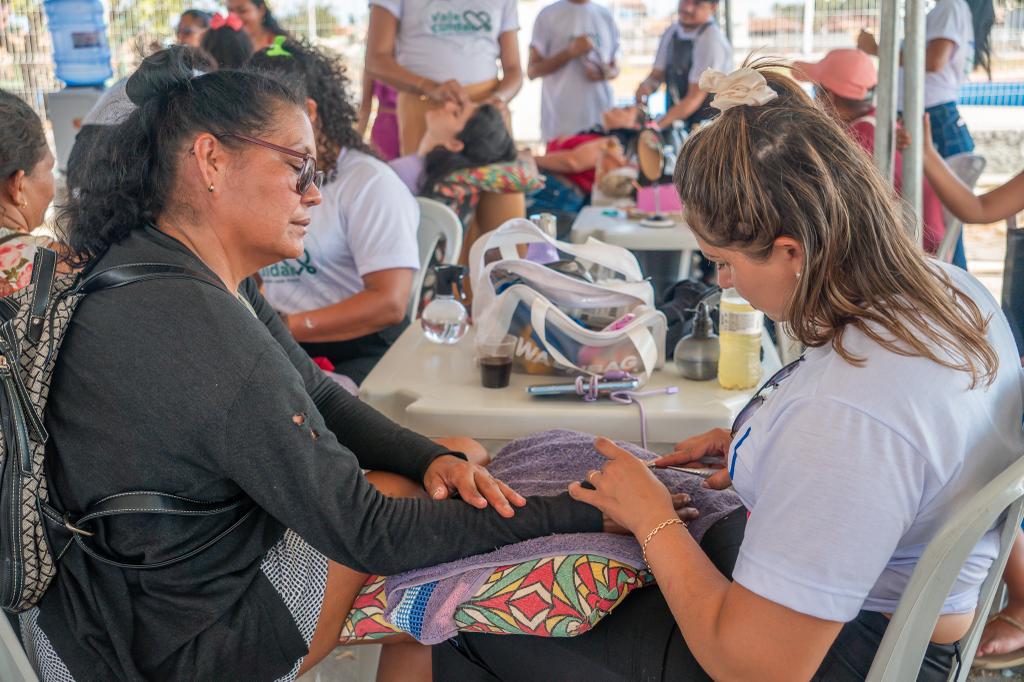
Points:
786	28
137	28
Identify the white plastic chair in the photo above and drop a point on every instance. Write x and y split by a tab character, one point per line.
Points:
968	167
437	221
14	665
902	649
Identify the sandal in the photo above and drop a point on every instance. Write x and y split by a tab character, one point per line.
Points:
1010	659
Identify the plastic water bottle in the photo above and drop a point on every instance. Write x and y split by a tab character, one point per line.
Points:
80	46
739	331
445	320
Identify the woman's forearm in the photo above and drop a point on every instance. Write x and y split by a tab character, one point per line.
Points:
511	67
953	193
365	313
385	69
695	592
733	633
365	104
381	37
509	85
544	66
999	204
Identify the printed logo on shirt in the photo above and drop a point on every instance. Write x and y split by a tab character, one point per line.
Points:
290	268
455	23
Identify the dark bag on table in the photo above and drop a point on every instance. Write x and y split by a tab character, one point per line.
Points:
33	533
679	303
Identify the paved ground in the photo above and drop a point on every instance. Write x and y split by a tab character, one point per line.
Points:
346	664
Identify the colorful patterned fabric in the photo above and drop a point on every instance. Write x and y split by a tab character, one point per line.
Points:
17	252
560	596
461	189
366	619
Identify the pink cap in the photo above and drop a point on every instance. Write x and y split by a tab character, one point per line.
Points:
848	73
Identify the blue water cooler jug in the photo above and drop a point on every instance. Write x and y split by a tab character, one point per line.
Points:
80	47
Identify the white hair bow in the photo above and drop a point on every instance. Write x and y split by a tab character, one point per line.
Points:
742	86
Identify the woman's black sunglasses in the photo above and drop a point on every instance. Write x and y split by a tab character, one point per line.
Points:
308	174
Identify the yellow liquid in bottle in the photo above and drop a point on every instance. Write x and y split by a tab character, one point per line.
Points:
740	325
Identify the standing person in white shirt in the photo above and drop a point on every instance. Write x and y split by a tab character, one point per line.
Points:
574	49
346	297
686	50
957	33
433	51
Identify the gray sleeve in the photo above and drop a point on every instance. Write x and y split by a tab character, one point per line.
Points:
540	40
661	56
710	51
279	450
378	442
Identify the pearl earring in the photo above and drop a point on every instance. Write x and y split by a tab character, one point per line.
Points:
210	188
798	275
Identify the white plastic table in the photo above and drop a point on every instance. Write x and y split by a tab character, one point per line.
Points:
595	221
435	390
611	226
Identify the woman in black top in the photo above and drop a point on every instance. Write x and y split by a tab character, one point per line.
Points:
176	386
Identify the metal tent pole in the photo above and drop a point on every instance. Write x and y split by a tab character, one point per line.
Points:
888	73
728	20
913	110
807	44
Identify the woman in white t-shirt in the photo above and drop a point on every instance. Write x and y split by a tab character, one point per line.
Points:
957	33
436	51
345	298
906	403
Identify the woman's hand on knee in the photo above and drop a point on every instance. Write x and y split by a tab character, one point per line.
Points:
448	475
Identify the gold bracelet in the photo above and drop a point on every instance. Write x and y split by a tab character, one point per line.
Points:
650	536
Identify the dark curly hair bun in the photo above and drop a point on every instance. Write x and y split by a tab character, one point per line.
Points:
164	72
128	179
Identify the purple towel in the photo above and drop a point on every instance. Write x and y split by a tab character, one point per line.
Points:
423	602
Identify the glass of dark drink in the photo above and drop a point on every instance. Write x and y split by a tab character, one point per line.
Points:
496	361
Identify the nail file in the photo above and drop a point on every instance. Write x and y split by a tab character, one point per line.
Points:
703	473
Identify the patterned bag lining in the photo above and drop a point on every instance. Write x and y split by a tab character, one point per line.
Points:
561	596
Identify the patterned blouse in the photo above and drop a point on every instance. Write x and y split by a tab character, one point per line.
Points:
17	251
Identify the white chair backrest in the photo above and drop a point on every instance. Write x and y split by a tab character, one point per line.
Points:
902	649
968	167
437	221
14	665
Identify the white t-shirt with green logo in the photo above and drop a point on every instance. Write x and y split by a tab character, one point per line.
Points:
570	102
451	39
366	223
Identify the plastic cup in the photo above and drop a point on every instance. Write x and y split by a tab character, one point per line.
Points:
496	361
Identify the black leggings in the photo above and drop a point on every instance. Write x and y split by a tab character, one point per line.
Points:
640	641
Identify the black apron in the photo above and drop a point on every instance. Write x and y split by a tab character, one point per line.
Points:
677	77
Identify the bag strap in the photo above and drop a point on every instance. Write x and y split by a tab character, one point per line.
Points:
142	502
123	275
